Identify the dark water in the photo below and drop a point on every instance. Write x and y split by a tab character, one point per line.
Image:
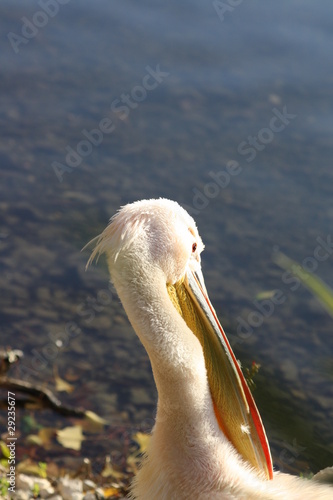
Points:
232	118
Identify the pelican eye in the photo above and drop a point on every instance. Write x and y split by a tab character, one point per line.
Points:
194	247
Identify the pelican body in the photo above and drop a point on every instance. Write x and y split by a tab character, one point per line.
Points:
208	441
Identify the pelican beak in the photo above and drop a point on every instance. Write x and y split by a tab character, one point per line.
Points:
234	406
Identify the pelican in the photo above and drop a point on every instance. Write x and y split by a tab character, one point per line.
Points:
208	441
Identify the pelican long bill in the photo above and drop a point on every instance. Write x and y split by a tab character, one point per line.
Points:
234	406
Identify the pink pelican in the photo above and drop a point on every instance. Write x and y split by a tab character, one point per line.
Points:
208	442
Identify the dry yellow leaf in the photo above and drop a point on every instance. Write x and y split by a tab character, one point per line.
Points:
93	423
62	385
142	440
108	492
109	471
43	438
71	437
34	439
30	468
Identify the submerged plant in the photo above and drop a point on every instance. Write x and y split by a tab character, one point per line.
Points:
316	286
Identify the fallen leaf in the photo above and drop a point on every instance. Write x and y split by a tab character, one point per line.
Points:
30	468
93	422
142	440
61	384
71	437
109	492
43	438
34	439
4	449
109	471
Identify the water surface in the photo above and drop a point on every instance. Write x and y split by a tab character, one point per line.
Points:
222	84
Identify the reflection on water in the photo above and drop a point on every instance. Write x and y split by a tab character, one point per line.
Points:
77	93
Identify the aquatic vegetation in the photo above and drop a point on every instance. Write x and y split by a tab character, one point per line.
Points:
314	284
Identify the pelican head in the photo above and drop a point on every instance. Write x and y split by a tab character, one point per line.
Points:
208	437
150	236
